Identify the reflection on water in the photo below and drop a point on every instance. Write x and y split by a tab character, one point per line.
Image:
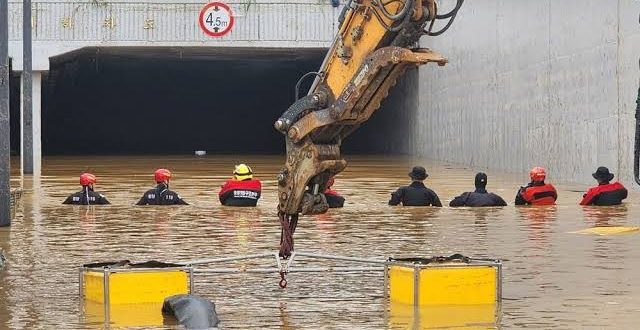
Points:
606	215
552	278
471	317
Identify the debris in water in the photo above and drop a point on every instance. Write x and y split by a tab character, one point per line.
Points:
607	230
2	259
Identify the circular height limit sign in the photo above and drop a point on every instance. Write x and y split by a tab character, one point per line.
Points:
216	19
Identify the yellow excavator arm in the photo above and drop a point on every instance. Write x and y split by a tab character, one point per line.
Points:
372	49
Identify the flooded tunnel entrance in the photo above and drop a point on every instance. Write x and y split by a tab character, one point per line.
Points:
175	101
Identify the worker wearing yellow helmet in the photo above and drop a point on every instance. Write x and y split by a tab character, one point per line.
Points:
242	190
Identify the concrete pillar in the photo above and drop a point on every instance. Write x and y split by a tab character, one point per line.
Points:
26	123
5	172
27	93
31	150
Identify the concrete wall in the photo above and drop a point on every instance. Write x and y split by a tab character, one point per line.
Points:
547	82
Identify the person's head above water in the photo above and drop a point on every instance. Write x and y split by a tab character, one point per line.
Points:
162	175
331	182
418	173
242	172
538	174
481	180
87	180
603	175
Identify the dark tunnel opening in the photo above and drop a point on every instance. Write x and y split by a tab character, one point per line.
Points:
14	111
174	101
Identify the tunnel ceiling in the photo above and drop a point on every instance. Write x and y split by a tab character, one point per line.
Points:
176	100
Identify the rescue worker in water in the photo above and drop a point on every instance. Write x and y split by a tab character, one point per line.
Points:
605	193
415	194
242	190
333	198
537	192
87	196
480	197
161	195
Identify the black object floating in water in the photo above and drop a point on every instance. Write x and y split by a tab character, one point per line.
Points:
191	311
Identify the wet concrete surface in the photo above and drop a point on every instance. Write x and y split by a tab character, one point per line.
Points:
552	278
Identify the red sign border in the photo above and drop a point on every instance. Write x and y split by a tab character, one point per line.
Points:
201	16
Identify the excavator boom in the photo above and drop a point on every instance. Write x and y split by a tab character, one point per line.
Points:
374	46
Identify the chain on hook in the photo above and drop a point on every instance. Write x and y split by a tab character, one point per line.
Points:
283	279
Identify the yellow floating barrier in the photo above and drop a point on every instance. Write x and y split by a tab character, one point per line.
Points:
613	230
113	290
444	281
435	293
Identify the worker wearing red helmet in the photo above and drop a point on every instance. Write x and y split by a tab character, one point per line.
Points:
87	196
537	192
242	190
333	198
161	195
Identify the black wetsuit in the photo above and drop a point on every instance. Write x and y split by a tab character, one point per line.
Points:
334	199
161	195
86	197
415	194
478	198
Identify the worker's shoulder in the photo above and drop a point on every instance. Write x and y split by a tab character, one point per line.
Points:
430	190
171	192
151	191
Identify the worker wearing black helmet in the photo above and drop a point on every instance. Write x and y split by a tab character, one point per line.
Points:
415	194
605	193
480	197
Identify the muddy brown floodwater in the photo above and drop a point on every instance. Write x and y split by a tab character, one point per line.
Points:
552	278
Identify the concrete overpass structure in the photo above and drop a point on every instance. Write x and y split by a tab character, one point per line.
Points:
62	29
63	26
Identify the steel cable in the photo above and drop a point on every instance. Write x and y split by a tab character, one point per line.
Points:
288	224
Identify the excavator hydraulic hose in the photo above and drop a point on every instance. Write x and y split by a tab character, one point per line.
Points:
307	103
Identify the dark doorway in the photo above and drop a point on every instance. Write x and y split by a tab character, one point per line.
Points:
14	111
176	101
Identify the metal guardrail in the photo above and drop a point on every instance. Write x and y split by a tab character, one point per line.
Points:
16	197
284	267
